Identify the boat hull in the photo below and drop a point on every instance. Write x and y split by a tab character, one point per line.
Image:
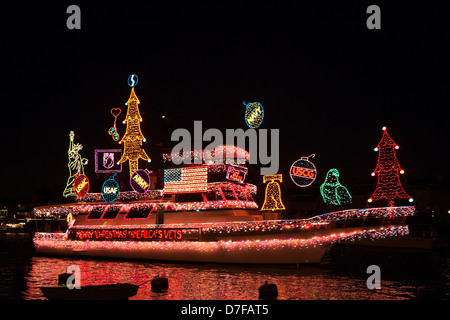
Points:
276	251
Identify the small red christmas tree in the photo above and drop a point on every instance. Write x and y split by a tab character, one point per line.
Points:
388	169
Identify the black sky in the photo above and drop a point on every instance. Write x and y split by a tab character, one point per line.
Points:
326	81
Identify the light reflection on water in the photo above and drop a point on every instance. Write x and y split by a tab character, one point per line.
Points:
213	282
341	275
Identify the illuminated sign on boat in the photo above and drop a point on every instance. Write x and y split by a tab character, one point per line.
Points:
147	234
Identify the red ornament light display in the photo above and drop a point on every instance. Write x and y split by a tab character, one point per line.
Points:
80	185
388	170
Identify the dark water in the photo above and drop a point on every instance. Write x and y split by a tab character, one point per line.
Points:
341	275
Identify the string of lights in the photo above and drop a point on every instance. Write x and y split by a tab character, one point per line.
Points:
272	197
124	196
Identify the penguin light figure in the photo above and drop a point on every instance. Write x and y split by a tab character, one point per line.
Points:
332	191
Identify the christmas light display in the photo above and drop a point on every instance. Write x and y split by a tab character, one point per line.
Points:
106	160
303	172
133	137
243	191
59	241
237	174
124	196
183	180
147	234
387	171
113	130
219	156
332	191
272	199
387	215
140	181
80	185
76	165
132	80
254	114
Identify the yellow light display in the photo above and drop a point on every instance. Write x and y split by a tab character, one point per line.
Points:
272	200
133	137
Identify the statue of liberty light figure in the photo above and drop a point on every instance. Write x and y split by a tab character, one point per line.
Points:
76	163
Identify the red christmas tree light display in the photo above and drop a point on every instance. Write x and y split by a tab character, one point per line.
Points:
388	170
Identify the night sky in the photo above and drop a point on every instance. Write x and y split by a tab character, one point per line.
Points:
326	81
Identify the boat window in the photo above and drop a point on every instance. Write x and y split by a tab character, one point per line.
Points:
138	213
96	213
111	213
189	197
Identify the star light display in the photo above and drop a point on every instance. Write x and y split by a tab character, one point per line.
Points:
332	191
387	171
76	165
272	199
133	137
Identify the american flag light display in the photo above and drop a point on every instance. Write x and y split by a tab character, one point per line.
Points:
184	180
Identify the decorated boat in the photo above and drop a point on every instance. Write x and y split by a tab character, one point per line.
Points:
205	211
